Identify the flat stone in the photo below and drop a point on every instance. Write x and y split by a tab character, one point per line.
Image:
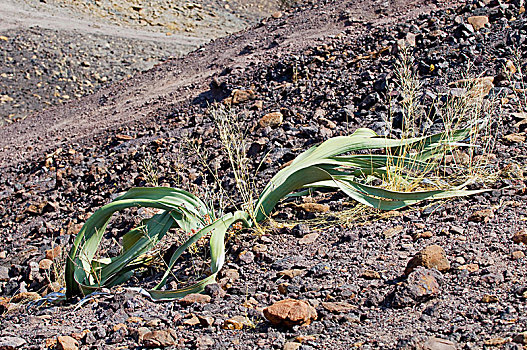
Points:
236	322
478	22
214	290
290	312
272	119
392	231
371	275
515	138
4	273
291	345
204	341
338	307
520	237
517	255
65	342
314	207
159	339
246	257
434	343
497	341
290	273
457	230
469	267
240	96
194	298
191	321
134	319
309	238
11	342
205	321
484	215
140	333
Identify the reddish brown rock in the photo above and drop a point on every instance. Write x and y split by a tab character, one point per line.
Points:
54	253
45	264
517	255
420	286
469	267
195	298
338	307
484	215
67	343
271	119
159	339
314	207
290	312
430	257
478	22
240	96
237	322
25	297
520	237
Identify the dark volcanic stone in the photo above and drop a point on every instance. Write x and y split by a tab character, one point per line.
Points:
422	284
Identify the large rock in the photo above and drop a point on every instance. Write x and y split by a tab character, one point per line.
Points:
421	285
240	96
520	237
431	257
65	342
271	119
9	343
159	339
434	343
521	338
290	312
4	273
478	22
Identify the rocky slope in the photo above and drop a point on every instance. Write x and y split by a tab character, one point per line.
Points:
449	275
55	51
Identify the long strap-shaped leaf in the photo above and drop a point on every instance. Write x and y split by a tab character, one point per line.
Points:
217	256
385	199
300	173
79	264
